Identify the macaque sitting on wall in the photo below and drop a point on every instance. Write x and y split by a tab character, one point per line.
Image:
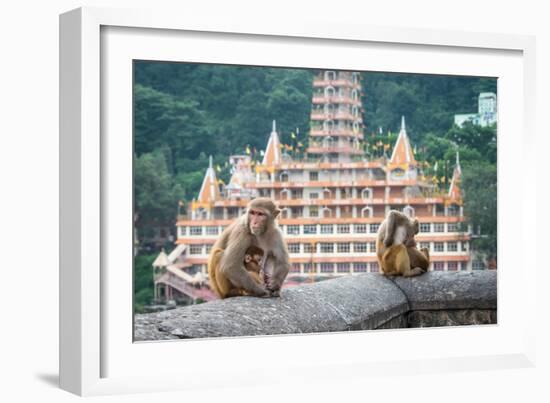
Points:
396	248
256	227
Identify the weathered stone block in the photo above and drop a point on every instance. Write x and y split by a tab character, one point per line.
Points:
457	317
450	290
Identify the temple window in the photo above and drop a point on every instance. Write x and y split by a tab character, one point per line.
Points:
330	75
343	229
296	212
195	249
327	267
366	211
453	210
195	230
326	212
343	247
439	227
295	268
286	213
327	229
360	228
293	229
329	91
360	267
425	227
343	267
212	230
366	193
452	227
294	248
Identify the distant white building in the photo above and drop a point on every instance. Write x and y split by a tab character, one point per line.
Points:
487	111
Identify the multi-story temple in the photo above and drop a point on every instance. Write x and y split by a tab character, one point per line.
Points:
333	199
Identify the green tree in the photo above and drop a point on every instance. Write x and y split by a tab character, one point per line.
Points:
143	281
482	139
479	184
155	201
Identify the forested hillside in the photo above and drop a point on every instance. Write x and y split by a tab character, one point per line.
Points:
186	112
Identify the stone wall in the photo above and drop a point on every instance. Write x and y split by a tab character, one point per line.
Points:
369	301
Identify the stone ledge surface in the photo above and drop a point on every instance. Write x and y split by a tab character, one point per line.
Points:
362	302
346	303
445	291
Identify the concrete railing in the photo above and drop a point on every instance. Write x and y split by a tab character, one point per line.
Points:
369	301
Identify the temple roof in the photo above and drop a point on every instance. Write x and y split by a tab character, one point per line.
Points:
272	154
209	190
455	193
161	260
402	152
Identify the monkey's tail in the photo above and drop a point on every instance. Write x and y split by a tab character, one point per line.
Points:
213	263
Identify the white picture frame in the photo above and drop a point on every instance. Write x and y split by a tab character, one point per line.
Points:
96	357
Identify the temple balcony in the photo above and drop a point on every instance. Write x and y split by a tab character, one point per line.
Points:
315	115
335	150
336	133
335	99
336	83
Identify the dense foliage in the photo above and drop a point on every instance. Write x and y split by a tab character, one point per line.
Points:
186	112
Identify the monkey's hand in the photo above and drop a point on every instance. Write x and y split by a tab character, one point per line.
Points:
275	293
273	290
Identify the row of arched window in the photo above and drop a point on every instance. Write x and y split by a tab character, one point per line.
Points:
333	75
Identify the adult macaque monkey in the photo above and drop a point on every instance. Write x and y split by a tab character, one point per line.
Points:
396	248
256	227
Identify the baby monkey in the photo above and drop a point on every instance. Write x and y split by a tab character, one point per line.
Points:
253	265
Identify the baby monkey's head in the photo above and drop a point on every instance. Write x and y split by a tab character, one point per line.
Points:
253	254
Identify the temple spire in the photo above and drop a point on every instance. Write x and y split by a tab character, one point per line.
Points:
272	153
209	190
402	151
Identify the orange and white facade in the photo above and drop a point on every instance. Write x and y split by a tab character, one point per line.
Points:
334	199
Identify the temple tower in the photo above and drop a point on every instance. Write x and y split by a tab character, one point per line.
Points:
336	117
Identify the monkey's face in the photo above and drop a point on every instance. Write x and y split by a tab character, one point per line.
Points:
257	259
257	221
